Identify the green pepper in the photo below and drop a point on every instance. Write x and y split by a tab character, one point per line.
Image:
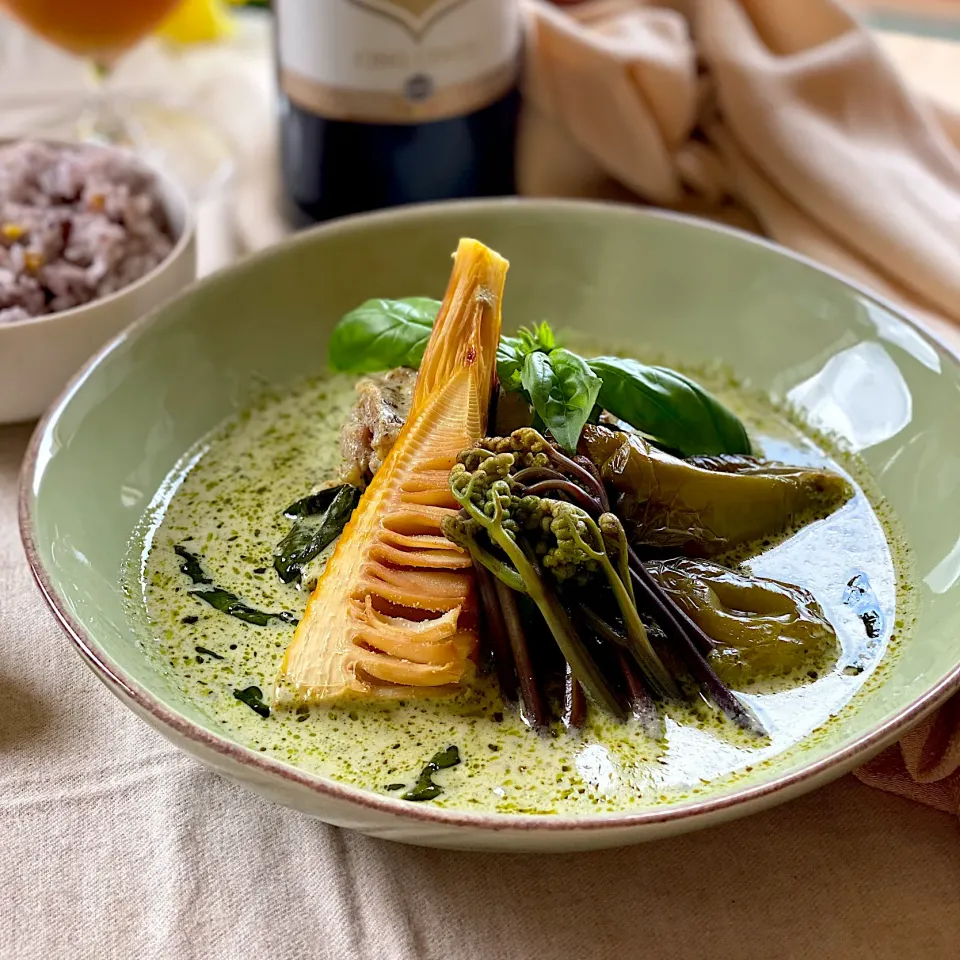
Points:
761	628
679	505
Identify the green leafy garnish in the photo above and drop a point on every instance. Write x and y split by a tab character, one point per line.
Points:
321	518
233	606
538	337
563	390
223	600
425	788
513	352
668	407
382	334
253	698
510	357
312	504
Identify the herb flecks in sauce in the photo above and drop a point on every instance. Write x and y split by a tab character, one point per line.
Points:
253	698
425	788
263	460
223	600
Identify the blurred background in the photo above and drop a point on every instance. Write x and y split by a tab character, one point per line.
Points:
194	84
934	18
194	87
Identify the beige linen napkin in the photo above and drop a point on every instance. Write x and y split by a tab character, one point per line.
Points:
781	117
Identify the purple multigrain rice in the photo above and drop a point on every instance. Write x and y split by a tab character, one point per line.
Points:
76	223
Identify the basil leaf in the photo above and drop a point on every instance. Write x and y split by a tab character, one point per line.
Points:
425	788
191	565
223	600
510	357
513	351
320	520
233	606
253	698
313	504
668	407
563	391
538	337
207	652
383	334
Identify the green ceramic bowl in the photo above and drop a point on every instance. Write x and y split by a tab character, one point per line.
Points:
784	325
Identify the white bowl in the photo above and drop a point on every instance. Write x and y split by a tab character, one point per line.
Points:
38	357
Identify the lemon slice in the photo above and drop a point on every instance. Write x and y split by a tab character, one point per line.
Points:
198	21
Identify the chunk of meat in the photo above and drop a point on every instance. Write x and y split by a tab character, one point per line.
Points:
371	430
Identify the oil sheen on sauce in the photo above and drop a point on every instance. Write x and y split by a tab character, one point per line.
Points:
224	502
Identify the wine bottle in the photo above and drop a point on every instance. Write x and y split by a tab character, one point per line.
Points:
388	102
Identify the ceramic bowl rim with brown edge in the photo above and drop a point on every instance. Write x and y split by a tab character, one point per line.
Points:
366	810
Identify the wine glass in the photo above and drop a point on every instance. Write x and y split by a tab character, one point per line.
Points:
100	32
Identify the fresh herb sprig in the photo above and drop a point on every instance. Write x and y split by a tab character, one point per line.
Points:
564	389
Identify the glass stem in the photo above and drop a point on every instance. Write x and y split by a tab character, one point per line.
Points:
101	121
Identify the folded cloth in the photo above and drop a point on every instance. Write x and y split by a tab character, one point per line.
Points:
783	118
925	764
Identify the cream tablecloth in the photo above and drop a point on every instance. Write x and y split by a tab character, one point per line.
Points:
113	844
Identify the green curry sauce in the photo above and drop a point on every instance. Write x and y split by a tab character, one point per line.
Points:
223	506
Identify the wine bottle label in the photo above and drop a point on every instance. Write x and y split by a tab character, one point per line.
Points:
396	61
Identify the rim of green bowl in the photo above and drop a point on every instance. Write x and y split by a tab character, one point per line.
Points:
737	802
